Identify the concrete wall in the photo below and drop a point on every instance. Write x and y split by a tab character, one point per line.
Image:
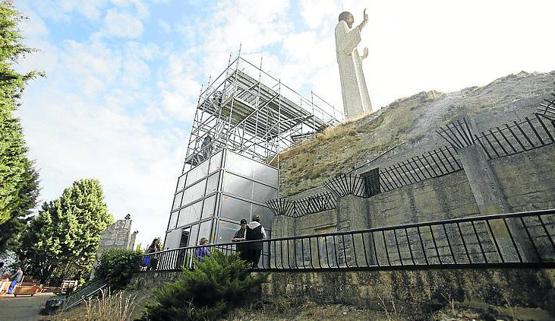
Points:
445	197
528	179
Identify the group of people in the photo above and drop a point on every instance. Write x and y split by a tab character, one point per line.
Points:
248	251
9	282
252	231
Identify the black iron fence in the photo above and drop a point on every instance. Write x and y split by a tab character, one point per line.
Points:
303	206
547	108
523	239
518	136
435	163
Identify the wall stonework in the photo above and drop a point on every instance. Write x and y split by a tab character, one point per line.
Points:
528	179
417	291
117	236
444	197
151	280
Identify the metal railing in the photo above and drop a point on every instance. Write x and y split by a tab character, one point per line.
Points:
524	239
83	294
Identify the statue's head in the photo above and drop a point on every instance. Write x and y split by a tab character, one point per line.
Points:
347	17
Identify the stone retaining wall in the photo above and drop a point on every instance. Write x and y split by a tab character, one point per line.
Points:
418	292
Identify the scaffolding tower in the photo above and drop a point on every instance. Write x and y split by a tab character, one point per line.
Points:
252	113
244	118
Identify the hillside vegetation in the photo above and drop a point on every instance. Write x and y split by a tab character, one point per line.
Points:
406	128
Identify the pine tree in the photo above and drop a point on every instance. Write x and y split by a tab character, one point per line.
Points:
63	238
19	188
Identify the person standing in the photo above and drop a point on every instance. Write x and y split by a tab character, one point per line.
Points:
240	236
202	251
255	231
16	278
152	261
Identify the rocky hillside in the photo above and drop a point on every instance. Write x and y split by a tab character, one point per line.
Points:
406	128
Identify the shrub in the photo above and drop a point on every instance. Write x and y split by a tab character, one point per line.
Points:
117	267
218	284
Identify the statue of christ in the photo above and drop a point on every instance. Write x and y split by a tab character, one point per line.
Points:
353	85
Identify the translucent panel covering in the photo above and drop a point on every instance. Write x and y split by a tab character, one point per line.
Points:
234	209
238	164
226	231
205	230
265	173
197	173
263	193
177	201
190	214
181	182
173	220
247	182
193	193
212	183
238	186
265	213
172	239
208	210
194	234
215	162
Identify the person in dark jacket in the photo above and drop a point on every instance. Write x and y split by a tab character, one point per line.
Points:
240	236
151	261
255	231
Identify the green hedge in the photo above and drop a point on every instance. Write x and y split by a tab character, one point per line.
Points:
117	267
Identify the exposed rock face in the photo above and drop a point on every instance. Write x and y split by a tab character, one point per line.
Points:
406	128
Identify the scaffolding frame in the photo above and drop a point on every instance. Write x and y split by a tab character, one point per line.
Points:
248	111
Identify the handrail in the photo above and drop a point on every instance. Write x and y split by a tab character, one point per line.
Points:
502	240
83	294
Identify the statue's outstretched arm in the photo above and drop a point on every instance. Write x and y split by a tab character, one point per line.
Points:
364	20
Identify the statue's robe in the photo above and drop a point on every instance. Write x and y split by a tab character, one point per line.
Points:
353	85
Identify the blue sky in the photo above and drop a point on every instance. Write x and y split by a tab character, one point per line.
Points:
124	75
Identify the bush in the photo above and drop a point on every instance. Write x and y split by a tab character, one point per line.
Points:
218	284
117	267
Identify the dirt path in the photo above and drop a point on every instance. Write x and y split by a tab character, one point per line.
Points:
22	308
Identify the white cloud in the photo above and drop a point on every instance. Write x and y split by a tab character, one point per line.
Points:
60	10
94	63
121	24
139	5
73	138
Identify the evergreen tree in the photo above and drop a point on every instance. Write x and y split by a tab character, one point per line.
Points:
218	284
19	180
63	238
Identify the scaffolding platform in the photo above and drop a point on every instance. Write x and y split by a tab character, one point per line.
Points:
254	114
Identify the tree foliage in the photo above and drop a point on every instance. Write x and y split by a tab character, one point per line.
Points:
19	180
117	267
218	284
63	238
